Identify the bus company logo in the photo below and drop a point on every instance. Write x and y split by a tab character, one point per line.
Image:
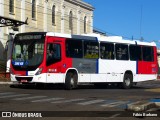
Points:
6	114
64	65
153	69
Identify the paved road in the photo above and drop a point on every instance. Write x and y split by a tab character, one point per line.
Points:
86	98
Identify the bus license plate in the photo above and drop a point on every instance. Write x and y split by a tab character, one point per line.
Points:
24	81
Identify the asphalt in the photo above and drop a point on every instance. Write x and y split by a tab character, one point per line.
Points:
136	107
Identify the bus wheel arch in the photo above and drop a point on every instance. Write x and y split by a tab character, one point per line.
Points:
127	80
71	79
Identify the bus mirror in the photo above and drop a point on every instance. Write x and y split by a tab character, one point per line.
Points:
6	47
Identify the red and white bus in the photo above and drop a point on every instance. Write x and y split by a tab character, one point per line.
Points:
47	57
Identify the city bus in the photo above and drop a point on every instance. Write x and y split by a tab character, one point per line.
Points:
47	57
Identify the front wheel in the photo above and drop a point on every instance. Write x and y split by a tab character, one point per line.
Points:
71	81
127	81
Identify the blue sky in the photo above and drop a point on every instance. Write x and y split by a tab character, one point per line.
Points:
124	18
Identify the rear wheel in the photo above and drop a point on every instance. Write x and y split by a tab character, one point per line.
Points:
71	81
127	81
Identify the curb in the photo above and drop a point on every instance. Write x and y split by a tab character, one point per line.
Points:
156	101
141	106
6	83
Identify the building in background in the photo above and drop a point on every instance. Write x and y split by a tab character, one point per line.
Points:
62	16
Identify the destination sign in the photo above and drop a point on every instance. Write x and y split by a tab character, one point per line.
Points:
29	37
19	63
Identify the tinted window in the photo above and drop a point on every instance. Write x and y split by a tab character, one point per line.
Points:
121	52
91	49
107	50
135	52
139	52
74	48
147	53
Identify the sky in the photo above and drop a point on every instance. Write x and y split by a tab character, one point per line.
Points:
128	18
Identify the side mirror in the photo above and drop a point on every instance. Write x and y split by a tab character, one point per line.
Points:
6	47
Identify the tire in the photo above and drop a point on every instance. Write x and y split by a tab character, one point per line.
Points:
127	81
71	81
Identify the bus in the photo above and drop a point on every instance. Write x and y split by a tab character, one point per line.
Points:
48	57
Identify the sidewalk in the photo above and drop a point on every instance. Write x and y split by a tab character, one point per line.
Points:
4	80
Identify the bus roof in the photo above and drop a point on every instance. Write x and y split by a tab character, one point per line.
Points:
97	37
119	39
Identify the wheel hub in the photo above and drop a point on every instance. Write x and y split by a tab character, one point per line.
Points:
127	82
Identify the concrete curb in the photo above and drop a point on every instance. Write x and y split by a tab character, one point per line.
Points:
6	83
141	106
156	101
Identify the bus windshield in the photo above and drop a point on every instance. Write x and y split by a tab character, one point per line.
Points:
27	52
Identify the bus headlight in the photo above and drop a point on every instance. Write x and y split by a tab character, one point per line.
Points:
39	71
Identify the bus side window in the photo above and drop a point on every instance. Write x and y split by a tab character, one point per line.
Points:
135	53
139	53
122	52
53	53
147	53
74	48
107	51
91	50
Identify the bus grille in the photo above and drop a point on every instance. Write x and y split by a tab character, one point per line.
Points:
24	78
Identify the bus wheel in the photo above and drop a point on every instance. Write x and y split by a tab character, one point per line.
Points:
127	81
71	81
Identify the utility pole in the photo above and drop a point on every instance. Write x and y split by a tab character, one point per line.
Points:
141	38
